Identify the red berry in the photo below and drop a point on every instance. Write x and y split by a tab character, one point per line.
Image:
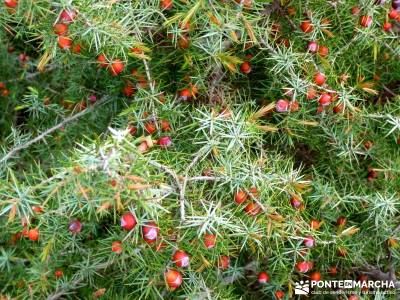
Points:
58	273
60	29
64	42
185	94
240	196
315	224
116	247
338	108
279	294
263	278
76	49
306	26
150	127
165	142
223	262
309	242
312	47
165	126
319	79
353	297
341	221
181	259
101	59
75	226
173	278
325	99
355	10
33	234
323	51
387	26
209	240
294	106
365	21
315	276
37	209
311	93
295	202
332	271
245	67
304	266
150	232
117	66
282	105
11	3
393	14
166	4
252	209
128	221
67	16
128	90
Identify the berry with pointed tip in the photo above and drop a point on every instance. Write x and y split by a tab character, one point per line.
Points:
165	142
365	21
309	242
102	60
181	259
263	278
315	276
185	94
252	209
64	42
223	262
319	79
75	226
58	273
33	234
67	16
116	247
128	221
282	105
245	67
150	232
11	3
60	29
312	47
116	67
209	240
173	278
240	196
306	26
325	99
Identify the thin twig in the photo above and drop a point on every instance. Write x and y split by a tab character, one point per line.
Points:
52	129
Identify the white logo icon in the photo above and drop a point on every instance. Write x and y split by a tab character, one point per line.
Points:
302	288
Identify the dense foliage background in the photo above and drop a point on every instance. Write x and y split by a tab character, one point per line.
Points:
254	136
